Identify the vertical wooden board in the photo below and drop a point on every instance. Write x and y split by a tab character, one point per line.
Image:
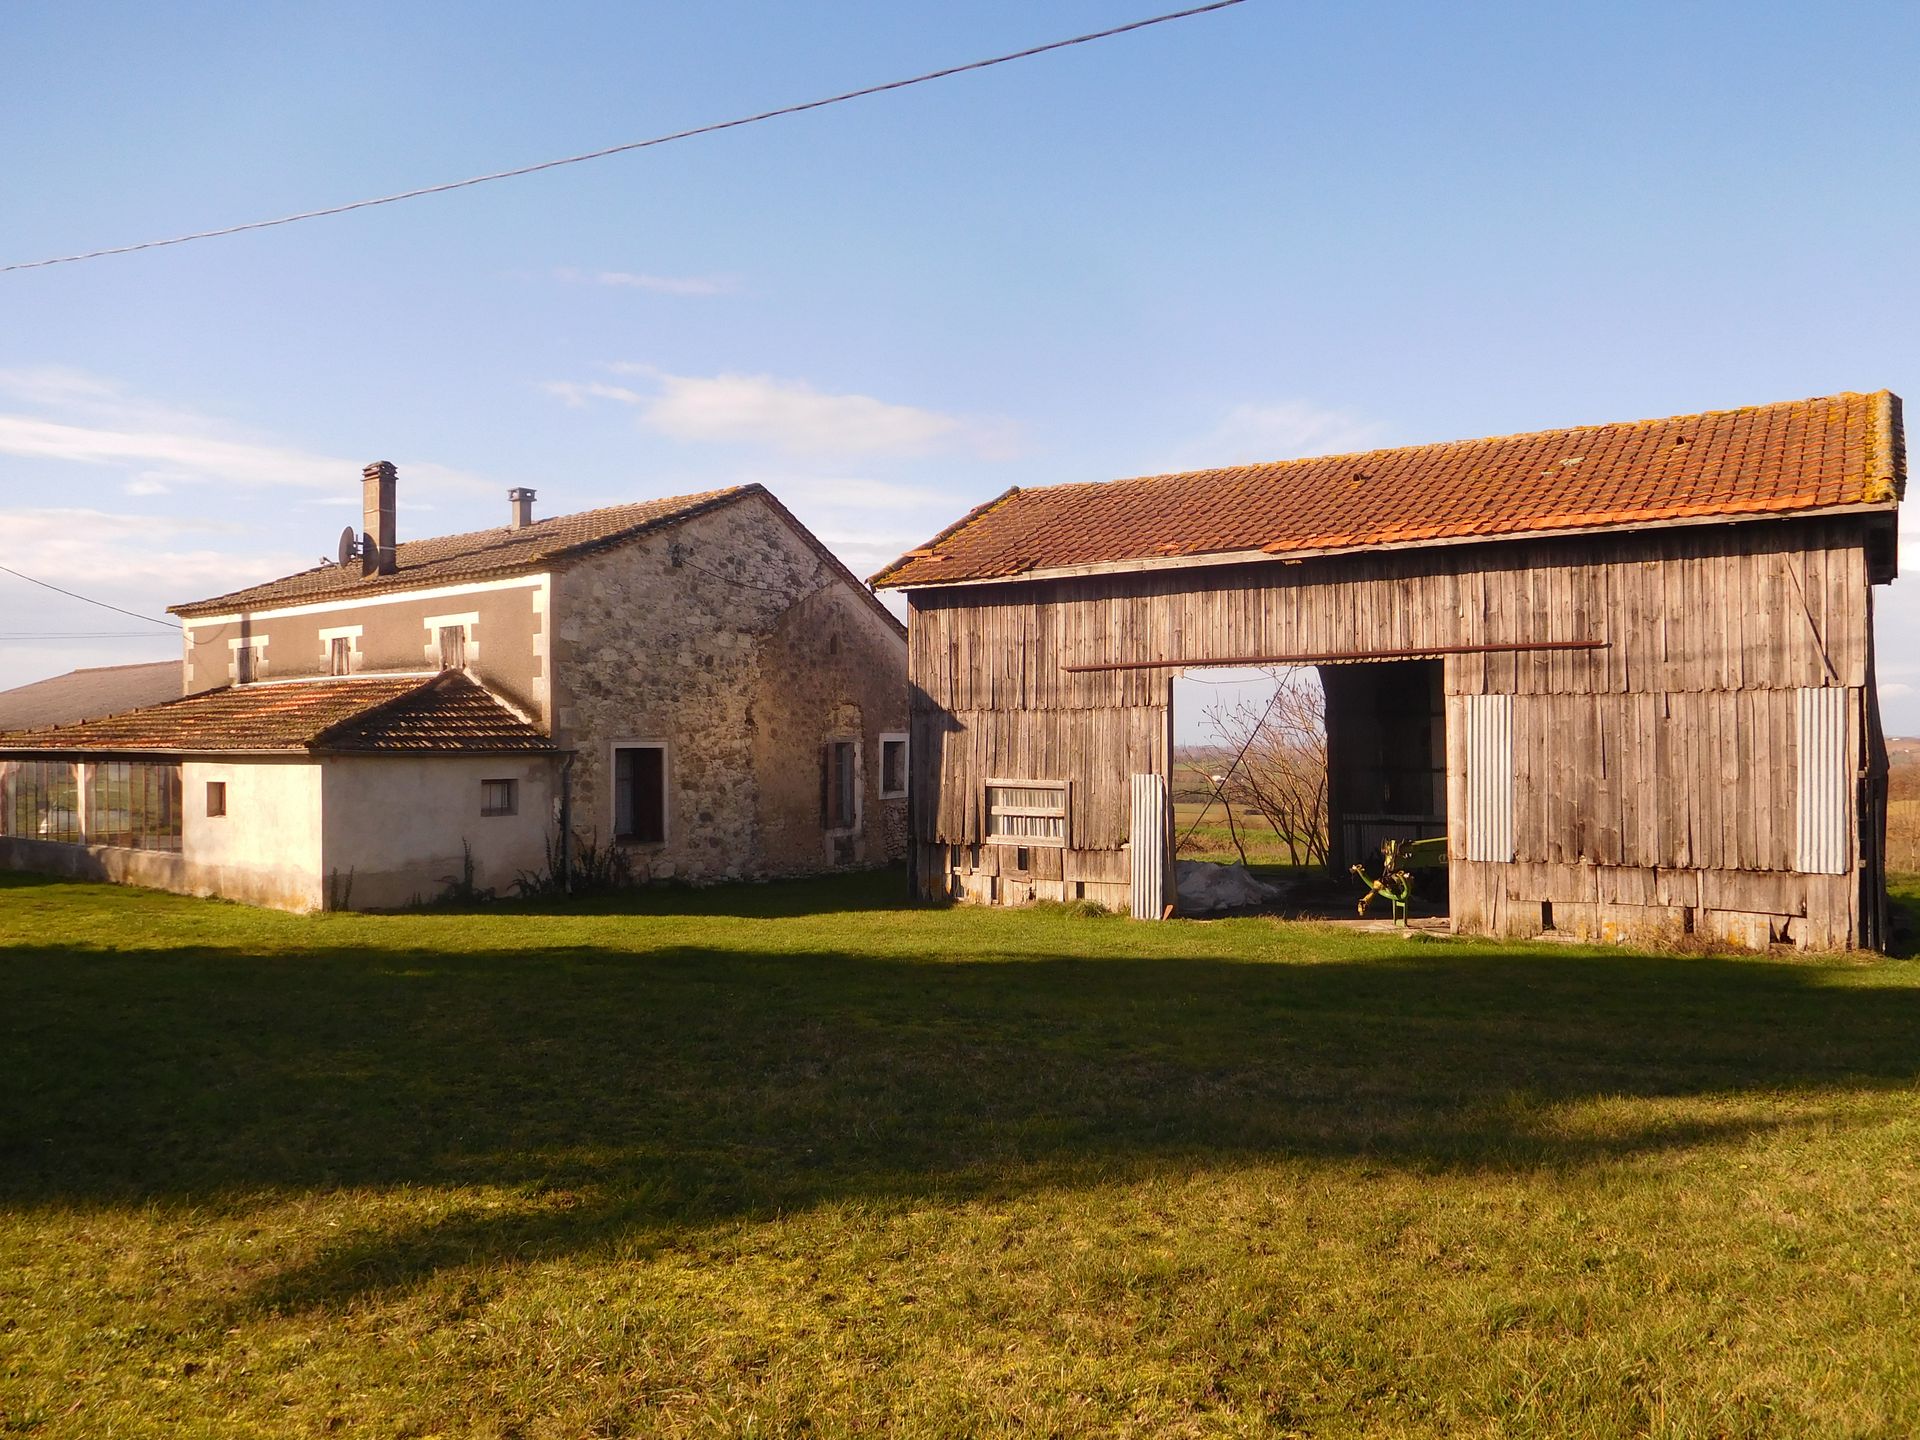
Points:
1746	776
1674	733
1734	822
1610	849
1456	724
1625	756
1765	790
1768	612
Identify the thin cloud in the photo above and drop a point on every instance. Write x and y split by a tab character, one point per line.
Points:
693	285
575	394
788	416
95	422
143	562
1248	434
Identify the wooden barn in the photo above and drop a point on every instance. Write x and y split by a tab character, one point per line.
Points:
1627	670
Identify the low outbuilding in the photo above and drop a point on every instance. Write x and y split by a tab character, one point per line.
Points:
323	792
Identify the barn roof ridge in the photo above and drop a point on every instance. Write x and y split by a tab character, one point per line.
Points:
1746	461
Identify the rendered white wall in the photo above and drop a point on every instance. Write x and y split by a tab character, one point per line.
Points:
266	848
392	826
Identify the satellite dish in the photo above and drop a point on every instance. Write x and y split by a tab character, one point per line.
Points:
349	546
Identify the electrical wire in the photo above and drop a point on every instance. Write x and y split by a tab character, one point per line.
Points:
688	134
71	595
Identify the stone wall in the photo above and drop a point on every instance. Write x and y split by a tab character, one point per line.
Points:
730	641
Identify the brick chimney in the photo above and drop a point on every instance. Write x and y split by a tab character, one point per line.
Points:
521	500
376	500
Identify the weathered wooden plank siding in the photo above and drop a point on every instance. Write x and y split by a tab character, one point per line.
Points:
1673	748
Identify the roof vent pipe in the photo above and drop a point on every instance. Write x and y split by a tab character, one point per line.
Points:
521	500
378	481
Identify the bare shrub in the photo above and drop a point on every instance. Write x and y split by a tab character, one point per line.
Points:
1280	773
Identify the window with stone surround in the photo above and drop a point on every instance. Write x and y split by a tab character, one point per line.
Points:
893	766
839	785
640	793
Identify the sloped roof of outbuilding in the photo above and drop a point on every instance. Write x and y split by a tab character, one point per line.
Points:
447	713
1834	452
83	694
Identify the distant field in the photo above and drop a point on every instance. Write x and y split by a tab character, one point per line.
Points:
1903	835
807	1159
1212	838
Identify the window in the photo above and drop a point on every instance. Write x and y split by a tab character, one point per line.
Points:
216	797
249	659
339	655
134	803
40	800
640	794
499	797
1027	812
893	766
453	647
838	792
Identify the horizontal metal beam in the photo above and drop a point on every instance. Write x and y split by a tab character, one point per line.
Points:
1329	657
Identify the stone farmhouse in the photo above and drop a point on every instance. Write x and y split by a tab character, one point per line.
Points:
695	681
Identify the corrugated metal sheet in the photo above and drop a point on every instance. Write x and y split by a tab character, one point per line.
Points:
1149	846
1822	807
1489	777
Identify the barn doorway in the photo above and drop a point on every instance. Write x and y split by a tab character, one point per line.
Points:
1298	773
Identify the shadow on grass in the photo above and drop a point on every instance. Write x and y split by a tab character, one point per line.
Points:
626	1094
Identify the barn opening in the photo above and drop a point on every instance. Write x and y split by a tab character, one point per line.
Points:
1301	772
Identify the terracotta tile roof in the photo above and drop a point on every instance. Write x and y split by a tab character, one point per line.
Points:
479	553
445	713
1766	460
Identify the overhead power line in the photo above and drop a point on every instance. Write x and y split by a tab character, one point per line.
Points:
77	635
72	595
517	171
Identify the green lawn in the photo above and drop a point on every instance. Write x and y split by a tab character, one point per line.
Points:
801	1160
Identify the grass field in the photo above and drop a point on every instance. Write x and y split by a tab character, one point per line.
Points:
800	1160
1204	834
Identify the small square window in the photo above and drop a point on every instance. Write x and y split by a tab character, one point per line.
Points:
499	797
339	655
1025	813
216	797
453	647
893	766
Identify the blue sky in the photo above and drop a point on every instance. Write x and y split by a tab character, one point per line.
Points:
1284	228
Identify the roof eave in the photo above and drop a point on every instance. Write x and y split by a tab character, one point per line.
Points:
1269	557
